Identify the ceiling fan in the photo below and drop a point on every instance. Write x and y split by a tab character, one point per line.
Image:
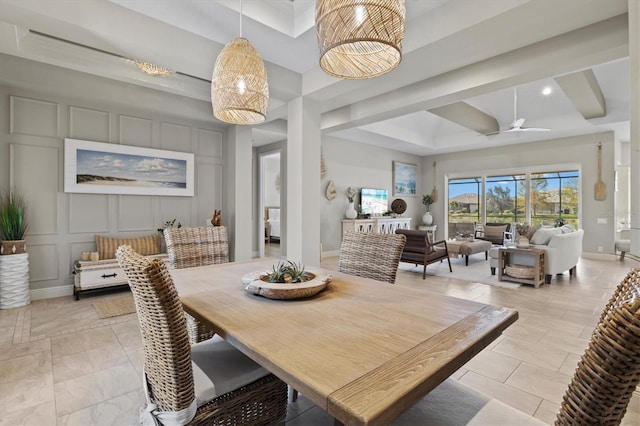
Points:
517	124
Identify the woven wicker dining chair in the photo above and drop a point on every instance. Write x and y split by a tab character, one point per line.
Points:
197	246
371	255
229	388
609	370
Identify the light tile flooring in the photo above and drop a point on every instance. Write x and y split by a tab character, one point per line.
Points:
61	364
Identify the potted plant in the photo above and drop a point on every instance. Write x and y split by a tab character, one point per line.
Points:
13	224
427	200
14	260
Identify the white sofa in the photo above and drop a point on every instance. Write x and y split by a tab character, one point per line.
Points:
563	250
563	253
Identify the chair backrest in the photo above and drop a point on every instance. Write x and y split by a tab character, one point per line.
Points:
198	246
167	350
416	241
609	369
371	255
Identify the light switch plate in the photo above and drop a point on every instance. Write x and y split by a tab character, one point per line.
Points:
602	221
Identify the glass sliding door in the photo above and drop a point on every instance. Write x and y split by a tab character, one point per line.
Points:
465	197
505	198
555	198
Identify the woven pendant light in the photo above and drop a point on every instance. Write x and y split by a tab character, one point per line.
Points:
359	39
239	87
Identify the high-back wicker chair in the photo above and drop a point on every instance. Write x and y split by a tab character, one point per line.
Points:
239	391
609	370
198	246
371	255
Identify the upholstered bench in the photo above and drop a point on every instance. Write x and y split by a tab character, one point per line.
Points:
467	248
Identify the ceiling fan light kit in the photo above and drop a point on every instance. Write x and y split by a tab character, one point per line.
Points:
359	39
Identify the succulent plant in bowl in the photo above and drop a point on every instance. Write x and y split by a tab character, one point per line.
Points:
288	272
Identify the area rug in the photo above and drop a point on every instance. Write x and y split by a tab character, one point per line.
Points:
478	271
115	307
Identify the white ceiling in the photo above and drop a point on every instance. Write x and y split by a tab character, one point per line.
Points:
454	50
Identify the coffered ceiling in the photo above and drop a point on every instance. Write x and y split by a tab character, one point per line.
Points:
462	62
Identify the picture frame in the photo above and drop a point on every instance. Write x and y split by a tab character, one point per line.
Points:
106	168
404	179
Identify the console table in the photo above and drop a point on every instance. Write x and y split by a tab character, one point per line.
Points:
380	225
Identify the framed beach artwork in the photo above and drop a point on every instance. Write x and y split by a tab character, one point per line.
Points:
105	168
404	179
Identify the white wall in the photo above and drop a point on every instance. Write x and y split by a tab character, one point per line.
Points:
36	115
271	173
580	150
358	165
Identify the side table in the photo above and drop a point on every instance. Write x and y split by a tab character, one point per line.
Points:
505	255
431	229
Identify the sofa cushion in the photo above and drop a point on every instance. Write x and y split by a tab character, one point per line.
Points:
543	235
145	246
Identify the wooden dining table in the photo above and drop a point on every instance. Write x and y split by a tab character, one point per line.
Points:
364	351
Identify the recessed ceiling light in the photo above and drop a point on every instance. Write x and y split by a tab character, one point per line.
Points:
546	91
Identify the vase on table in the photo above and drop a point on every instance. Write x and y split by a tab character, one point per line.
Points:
427	219
351	211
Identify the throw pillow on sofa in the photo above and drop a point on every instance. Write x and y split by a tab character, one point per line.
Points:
543	235
145	246
566	229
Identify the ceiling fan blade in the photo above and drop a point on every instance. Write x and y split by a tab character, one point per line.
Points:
534	129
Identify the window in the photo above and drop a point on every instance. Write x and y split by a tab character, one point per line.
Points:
547	198
464	200
554	198
505	198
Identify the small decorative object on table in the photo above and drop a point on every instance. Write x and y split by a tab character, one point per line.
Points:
169	224
522	242
286	280
216	220
427	200
351	211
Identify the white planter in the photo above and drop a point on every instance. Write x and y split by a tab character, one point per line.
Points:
351	212
427	219
14	281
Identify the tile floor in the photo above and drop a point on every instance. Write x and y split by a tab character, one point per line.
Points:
61	364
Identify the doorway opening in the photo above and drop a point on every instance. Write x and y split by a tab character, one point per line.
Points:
269	210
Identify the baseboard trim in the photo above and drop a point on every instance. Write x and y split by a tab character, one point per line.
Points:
51	292
330	253
600	256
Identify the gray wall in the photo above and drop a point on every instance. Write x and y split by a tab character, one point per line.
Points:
580	150
34	121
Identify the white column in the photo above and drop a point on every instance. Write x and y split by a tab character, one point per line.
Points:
236	214
634	113
302	200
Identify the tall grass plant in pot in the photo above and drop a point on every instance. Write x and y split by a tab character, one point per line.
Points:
14	259
13	224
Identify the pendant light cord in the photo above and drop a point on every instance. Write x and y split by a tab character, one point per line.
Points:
240	18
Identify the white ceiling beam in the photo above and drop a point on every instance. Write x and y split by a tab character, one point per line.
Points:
583	90
465	115
595	44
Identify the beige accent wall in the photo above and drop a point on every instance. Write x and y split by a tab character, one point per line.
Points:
580	150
